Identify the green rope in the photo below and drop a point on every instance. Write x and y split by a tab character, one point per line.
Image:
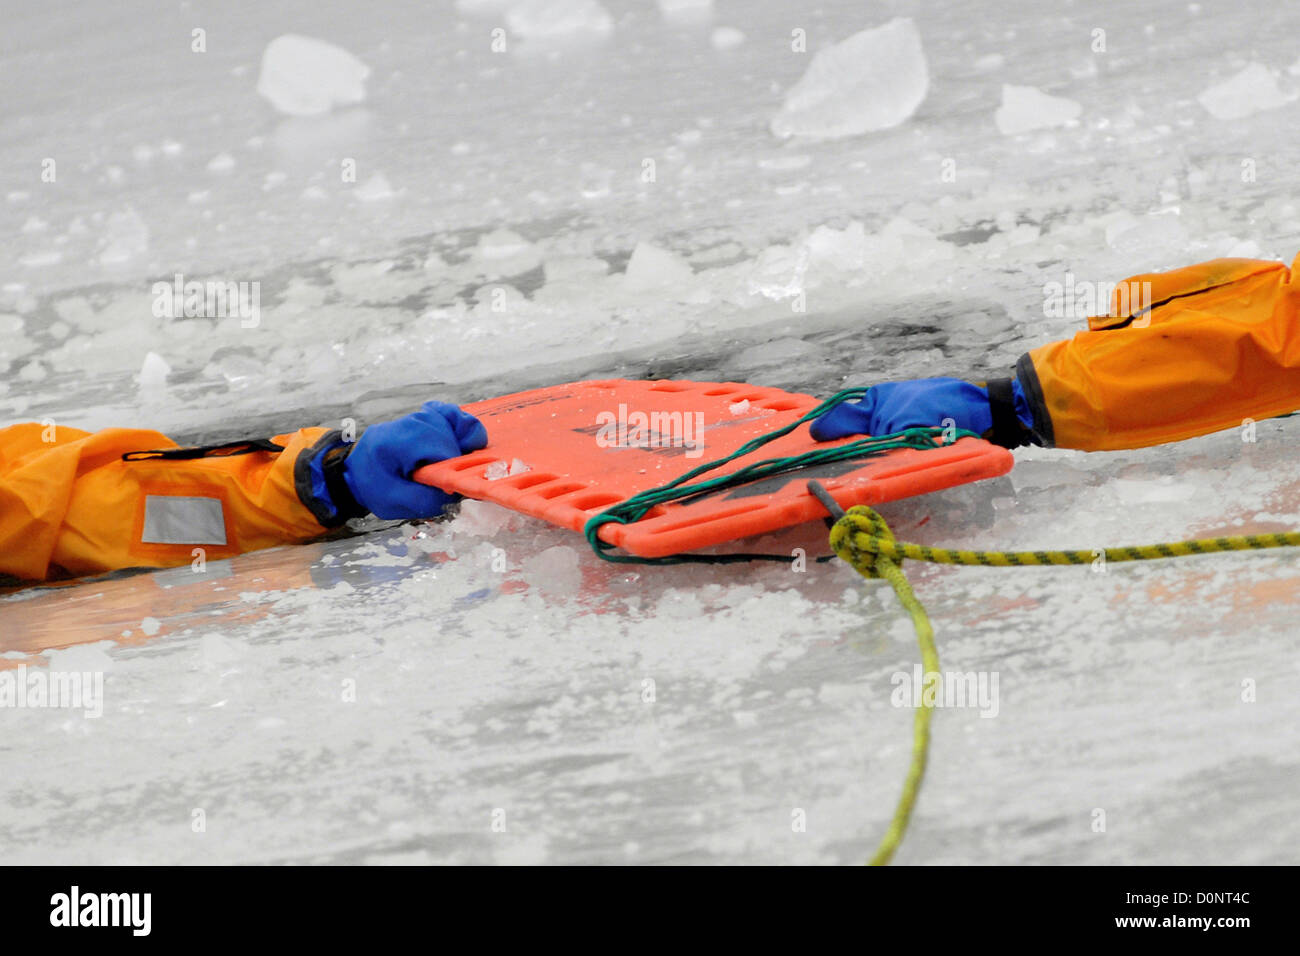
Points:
634	508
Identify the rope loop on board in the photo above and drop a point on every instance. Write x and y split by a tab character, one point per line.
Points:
684	487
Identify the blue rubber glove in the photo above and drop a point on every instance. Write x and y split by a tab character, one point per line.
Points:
925	402
378	468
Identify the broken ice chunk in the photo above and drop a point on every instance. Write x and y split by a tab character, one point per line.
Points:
1026	108
303	76
652	267
505	469
154	372
1253	90
873	80
558	19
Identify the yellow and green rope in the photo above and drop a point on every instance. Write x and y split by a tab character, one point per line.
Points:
865	542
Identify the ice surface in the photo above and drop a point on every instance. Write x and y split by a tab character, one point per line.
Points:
479	8
304	76
726	38
556	570
871	80
478	687
1026	108
220	163
126	237
375	189
1253	90
1154	230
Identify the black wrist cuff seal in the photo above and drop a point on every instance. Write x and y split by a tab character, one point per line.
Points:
1007	430
345	505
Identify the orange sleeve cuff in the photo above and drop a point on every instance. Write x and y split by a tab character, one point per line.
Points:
1219	344
73	505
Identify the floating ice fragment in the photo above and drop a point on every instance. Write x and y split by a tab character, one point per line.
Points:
654	268
154	371
1026	108
303	76
778	272
873	80
504	252
221	163
1253	90
557	19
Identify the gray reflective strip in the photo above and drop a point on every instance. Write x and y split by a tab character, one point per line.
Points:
179	520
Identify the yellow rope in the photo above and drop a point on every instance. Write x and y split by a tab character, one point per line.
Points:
858	523
862	538
874	564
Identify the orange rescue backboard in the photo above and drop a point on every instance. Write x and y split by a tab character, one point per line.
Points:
589	445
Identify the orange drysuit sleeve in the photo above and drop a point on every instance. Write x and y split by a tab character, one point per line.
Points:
74	503
1183	353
